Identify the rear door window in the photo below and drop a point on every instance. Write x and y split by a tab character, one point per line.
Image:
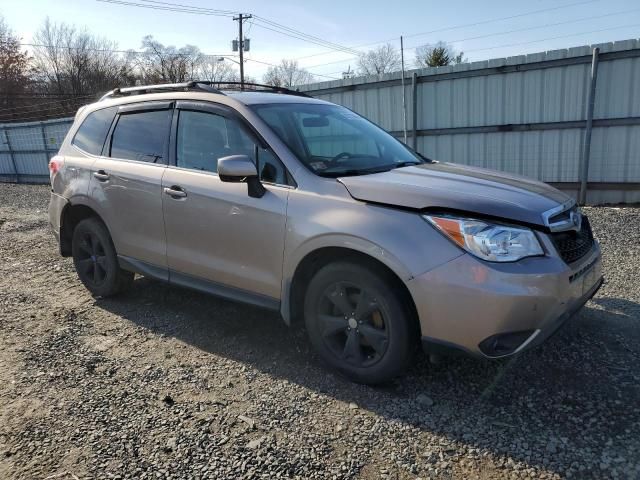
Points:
142	136
92	133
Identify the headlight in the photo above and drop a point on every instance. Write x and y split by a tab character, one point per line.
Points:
488	241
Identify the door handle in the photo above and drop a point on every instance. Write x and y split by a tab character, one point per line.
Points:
175	192
101	175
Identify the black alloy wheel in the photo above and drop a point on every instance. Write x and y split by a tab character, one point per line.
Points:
358	320
92	260
96	260
353	325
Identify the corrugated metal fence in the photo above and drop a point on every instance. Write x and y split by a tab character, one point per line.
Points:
25	149
525	114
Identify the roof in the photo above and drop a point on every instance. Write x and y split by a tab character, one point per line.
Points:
253	98
247	93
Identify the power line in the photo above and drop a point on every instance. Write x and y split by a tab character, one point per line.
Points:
259	25
535	27
465	25
274	65
193	7
109	50
41	94
59	101
273	26
333	45
539	40
278	28
555	38
55	102
194	10
49	112
46	116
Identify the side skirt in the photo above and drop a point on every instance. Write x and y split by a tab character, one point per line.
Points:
200	284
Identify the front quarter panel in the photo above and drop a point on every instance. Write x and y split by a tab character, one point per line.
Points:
399	239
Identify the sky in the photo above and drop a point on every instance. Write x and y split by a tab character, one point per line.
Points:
478	28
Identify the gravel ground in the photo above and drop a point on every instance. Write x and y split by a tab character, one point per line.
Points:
168	383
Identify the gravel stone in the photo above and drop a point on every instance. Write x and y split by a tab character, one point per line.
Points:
167	383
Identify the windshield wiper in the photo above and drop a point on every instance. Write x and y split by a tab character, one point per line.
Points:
353	171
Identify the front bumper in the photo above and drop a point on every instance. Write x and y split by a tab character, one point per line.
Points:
495	310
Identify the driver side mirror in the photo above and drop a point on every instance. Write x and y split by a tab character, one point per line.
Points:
240	168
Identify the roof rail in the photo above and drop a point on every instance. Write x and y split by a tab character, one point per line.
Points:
206	86
162	87
252	87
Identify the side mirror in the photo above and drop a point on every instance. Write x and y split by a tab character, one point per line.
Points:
240	168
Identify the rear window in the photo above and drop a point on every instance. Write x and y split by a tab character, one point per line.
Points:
142	136
92	133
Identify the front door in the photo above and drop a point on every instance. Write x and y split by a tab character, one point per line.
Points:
215	232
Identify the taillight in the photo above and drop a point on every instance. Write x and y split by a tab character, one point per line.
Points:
55	165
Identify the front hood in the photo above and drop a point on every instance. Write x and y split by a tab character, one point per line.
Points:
459	187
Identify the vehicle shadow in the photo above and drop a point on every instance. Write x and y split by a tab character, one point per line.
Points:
554	402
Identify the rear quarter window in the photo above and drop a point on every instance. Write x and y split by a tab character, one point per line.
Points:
92	133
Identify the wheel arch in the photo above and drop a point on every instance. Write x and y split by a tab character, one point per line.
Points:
73	213
312	261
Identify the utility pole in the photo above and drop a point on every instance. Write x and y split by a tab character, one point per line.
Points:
240	19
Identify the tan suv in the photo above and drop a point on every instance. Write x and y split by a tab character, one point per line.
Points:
304	207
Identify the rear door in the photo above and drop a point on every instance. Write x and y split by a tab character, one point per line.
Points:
126	181
218	238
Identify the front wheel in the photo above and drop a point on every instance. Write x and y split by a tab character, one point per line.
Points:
357	322
96	261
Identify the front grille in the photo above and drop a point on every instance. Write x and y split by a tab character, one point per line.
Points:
574	245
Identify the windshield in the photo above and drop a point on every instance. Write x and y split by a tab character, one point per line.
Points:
333	141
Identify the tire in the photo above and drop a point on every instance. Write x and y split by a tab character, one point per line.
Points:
357	321
96	261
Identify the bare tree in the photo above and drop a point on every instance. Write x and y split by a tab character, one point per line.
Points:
439	55
14	70
213	69
384	59
74	62
287	74
162	64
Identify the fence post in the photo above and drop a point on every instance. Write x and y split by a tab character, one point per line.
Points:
44	142
414	113
404	94
586	151
13	159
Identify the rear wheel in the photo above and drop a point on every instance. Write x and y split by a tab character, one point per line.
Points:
96	261
357	322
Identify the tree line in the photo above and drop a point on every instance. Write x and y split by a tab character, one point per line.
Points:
67	67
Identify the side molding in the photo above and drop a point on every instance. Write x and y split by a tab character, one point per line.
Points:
200	284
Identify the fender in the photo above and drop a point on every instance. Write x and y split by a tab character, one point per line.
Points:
346	241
